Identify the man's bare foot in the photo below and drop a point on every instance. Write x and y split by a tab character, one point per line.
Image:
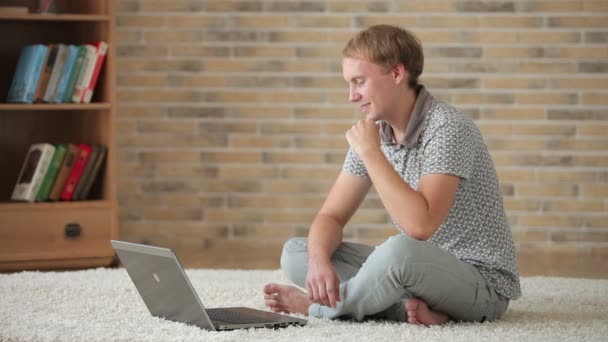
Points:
286	298
419	313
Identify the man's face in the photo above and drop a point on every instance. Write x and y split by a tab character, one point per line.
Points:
371	87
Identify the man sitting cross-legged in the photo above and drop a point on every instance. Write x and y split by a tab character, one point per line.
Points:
453	257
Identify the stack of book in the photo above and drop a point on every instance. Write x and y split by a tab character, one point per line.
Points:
57	73
64	172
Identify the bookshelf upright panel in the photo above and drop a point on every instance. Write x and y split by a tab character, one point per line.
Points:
59	234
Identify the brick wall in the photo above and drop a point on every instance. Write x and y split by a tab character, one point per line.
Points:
232	116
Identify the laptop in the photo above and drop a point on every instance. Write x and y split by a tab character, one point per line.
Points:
167	292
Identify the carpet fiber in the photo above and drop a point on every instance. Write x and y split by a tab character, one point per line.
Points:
103	305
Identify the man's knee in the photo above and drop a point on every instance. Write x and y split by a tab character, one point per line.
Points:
402	249
294	258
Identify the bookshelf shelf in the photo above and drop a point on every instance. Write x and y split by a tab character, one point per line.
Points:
56	17
63	234
15	206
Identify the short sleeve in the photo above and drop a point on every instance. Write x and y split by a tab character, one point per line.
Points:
451	149
353	164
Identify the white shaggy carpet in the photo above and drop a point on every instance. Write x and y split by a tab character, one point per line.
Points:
103	305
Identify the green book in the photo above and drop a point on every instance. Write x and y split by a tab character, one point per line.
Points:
51	173
69	90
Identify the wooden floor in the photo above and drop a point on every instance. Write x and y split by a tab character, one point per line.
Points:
529	265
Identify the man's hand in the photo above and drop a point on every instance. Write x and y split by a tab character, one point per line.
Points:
364	136
323	283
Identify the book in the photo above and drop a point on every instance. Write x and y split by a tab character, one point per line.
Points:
27	74
45	74
90	172
32	172
64	172
95	172
52	172
96	52
67	70
88	66
102	50
46	6
84	152
69	91
60	63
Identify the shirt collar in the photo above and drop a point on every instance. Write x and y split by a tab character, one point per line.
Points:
414	126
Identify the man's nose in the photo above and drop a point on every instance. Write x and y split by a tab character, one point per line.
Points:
353	96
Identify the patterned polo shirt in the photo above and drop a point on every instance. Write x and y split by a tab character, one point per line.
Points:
440	139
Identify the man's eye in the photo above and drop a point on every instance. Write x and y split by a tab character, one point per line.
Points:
360	82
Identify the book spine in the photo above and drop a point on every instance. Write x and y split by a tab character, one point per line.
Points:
39	64
102	50
27	73
93	176
69	91
95	149
45	73
64	172
88	66
33	171
45	161
51	88
76	173
51	174
67	69
17	90
46	6
27	173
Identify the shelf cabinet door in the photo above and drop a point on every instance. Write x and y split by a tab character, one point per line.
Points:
55	233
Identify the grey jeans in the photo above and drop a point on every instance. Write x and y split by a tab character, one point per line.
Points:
376	282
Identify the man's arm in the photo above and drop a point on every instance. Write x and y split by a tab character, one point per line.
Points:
326	233
418	213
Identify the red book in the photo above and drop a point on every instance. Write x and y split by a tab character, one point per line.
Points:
76	172
102	49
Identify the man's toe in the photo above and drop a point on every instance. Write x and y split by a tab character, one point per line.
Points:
271	288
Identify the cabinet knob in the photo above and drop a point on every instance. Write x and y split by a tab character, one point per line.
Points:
72	230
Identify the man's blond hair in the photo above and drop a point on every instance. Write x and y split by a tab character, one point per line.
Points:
388	46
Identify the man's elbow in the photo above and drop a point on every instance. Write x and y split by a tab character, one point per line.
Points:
420	235
421	232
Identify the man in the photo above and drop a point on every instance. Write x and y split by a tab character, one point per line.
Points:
453	257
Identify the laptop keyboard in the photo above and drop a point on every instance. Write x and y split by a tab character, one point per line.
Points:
233	317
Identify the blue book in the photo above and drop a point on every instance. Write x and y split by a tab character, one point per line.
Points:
67	70
27	74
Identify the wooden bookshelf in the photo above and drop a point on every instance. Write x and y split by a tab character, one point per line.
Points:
57	235
55	17
59	106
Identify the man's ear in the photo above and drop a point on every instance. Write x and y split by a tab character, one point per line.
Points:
399	74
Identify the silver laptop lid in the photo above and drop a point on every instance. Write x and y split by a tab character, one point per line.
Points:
162	283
